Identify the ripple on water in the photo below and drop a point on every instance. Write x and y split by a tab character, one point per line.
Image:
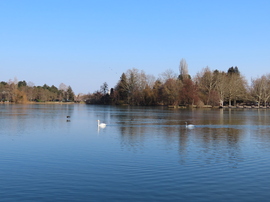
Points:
142	155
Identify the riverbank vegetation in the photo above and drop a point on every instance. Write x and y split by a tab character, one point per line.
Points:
207	88
135	87
22	92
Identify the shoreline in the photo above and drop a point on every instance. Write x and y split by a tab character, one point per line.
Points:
217	107
49	103
169	106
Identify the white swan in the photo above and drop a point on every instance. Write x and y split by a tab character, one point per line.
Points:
190	126
102	125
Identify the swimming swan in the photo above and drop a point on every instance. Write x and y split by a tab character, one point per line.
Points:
102	125
190	126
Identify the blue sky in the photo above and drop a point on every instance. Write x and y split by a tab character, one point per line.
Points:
86	43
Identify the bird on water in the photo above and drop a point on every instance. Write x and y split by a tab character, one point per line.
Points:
102	125
190	126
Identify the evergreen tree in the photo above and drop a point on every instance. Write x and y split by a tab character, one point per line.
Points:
70	94
233	70
123	88
22	83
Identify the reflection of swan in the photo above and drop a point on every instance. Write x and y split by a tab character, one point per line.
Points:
190	126
102	125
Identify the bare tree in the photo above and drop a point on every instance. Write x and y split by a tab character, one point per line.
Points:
206	82
142	80
104	88
183	68
221	85
168	74
236	87
266	90
30	84
150	80
30	88
260	89
13	85
257	89
63	87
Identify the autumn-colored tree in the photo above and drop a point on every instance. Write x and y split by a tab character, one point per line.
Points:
147	96
22	92
94	98
170	91
189	92
132	87
167	88
20	97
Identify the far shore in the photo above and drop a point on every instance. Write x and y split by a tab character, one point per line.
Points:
62	103
219	107
169	106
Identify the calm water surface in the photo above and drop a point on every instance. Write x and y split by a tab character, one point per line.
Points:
144	154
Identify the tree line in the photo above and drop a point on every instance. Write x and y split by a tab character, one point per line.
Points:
23	92
208	87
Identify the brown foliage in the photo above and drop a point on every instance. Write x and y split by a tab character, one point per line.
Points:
20	97
189	93
170	91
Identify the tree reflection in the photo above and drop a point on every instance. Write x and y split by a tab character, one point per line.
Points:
211	145
19	119
218	136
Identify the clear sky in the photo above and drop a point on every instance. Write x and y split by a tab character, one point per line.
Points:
84	43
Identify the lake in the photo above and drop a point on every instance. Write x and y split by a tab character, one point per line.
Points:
143	154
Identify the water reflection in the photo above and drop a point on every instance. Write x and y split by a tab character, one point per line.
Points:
223	158
15	118
224	131
219	135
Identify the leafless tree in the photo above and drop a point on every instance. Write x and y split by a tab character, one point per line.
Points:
260	89
236	87
206	82
168	74
221	85
104	88
183	68
63	87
